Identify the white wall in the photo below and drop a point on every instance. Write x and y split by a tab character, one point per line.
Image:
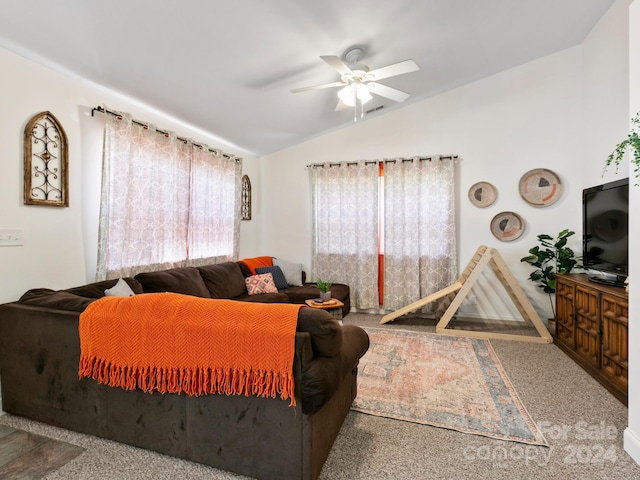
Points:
60	243
632	433
250	229
559	112
606	92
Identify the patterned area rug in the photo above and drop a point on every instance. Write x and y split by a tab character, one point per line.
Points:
443	381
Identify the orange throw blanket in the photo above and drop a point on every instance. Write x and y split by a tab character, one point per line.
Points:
176	343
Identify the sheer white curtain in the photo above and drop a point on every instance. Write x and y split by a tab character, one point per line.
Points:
214	229
345	220
419	229
163	201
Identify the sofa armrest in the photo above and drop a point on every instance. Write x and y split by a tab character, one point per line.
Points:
322	376
58	300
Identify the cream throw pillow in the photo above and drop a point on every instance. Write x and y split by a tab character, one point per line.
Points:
120	289
292	271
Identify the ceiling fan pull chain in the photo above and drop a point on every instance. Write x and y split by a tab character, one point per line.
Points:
355	104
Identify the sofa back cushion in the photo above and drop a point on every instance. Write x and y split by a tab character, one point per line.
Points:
185	280
61	299
244	268
223	280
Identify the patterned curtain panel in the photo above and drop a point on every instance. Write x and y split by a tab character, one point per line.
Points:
345	237
163	201
214	227
419	229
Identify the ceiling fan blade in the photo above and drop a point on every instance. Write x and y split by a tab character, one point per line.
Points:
319	87
388	92
337	64
399	68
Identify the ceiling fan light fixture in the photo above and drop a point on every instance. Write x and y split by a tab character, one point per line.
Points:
364	95
349	93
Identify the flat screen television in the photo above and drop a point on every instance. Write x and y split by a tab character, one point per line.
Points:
605	232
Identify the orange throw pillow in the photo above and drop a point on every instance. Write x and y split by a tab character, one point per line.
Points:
257	262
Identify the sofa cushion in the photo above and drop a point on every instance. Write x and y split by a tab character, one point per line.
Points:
276	273
185	280
264	298
244	268
62	300
97	289
292	271
257	284
223	280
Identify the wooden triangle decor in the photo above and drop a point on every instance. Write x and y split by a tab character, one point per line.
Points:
484	256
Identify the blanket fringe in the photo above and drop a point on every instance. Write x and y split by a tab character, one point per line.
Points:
192	381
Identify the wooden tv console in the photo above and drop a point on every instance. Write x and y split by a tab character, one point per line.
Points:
592	328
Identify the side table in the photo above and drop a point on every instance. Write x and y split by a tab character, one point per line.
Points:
333	306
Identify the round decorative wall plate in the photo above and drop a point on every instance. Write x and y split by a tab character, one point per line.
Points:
482	194
507	226
540	187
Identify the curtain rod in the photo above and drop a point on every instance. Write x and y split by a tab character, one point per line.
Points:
368	162
182	139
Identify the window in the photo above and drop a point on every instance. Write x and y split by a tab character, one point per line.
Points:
385	228
166	202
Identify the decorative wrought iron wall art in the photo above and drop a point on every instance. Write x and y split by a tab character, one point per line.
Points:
246	198
46	162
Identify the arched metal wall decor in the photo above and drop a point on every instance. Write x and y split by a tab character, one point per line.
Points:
46	162
246	198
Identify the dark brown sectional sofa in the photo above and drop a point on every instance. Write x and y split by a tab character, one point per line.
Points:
260	437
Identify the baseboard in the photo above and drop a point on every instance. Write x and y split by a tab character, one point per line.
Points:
632	444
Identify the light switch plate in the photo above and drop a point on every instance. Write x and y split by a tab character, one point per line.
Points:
11	237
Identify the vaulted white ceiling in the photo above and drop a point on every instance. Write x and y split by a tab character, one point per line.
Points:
228	67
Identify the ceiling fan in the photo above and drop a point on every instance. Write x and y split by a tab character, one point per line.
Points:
358	82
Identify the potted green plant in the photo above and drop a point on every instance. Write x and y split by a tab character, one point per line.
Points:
325	292
632	143
550	257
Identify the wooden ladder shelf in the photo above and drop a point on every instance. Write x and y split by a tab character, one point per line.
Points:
484	256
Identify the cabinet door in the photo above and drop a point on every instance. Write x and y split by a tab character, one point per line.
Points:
565	332
615	350
587	326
